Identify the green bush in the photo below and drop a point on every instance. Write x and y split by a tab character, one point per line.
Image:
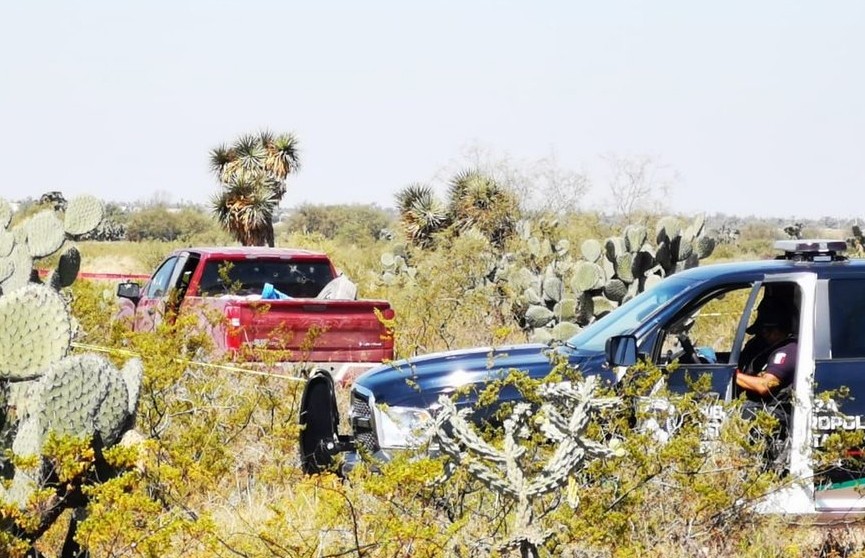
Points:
349	224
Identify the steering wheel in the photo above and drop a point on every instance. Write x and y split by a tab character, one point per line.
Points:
689	354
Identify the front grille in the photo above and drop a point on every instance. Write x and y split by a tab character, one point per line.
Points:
362	422
360	406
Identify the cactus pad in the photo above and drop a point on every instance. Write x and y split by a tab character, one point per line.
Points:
643	262
624	267
635	237
22	264
132	374
565	330
520	279
691	261
35	331
614	247
652	280
685	251
602	306
44	234
608	268
695	229
83	214
541	335
387	260
591	250
539	316
554	289
532	297
705	246
566	309
615	290
7	242
588	276
67	269
83	395
667	228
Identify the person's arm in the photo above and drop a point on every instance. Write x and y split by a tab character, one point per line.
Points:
761	385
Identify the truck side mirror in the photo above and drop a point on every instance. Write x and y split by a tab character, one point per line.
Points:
621	350
130	290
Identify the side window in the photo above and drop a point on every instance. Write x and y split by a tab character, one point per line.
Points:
847	317
184	276
158	285
710	336
706	334
778	305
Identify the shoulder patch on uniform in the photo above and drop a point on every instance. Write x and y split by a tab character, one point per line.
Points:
780	358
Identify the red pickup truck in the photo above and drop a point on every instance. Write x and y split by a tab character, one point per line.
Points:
273	304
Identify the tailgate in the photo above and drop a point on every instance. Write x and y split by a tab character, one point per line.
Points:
316	330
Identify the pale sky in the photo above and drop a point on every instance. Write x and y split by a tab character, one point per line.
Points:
759	107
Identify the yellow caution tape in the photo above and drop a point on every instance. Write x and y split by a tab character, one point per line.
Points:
123	352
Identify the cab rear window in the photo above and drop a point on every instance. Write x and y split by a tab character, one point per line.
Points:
296	279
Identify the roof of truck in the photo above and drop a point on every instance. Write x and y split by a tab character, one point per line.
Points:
746	269
824	257
252	252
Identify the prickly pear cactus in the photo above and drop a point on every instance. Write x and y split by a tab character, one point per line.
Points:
604	275
503	468
395	268
42	235
545	281
44	390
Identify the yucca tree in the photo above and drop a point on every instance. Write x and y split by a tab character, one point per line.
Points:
421	214
252	173
245	207
476	200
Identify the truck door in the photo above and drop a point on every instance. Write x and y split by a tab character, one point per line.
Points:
151	307
709	337
701	342
838	420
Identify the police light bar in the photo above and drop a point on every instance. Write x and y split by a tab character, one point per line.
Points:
811	250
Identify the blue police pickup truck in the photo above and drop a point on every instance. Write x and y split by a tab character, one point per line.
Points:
696	319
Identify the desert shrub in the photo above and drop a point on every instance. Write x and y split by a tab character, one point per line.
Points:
349	224
577	227
446	301
160	223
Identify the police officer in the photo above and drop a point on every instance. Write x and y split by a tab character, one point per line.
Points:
767	374
770	368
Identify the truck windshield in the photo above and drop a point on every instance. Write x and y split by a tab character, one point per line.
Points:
629	315
248	276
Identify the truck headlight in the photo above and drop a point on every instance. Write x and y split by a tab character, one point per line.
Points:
403	427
